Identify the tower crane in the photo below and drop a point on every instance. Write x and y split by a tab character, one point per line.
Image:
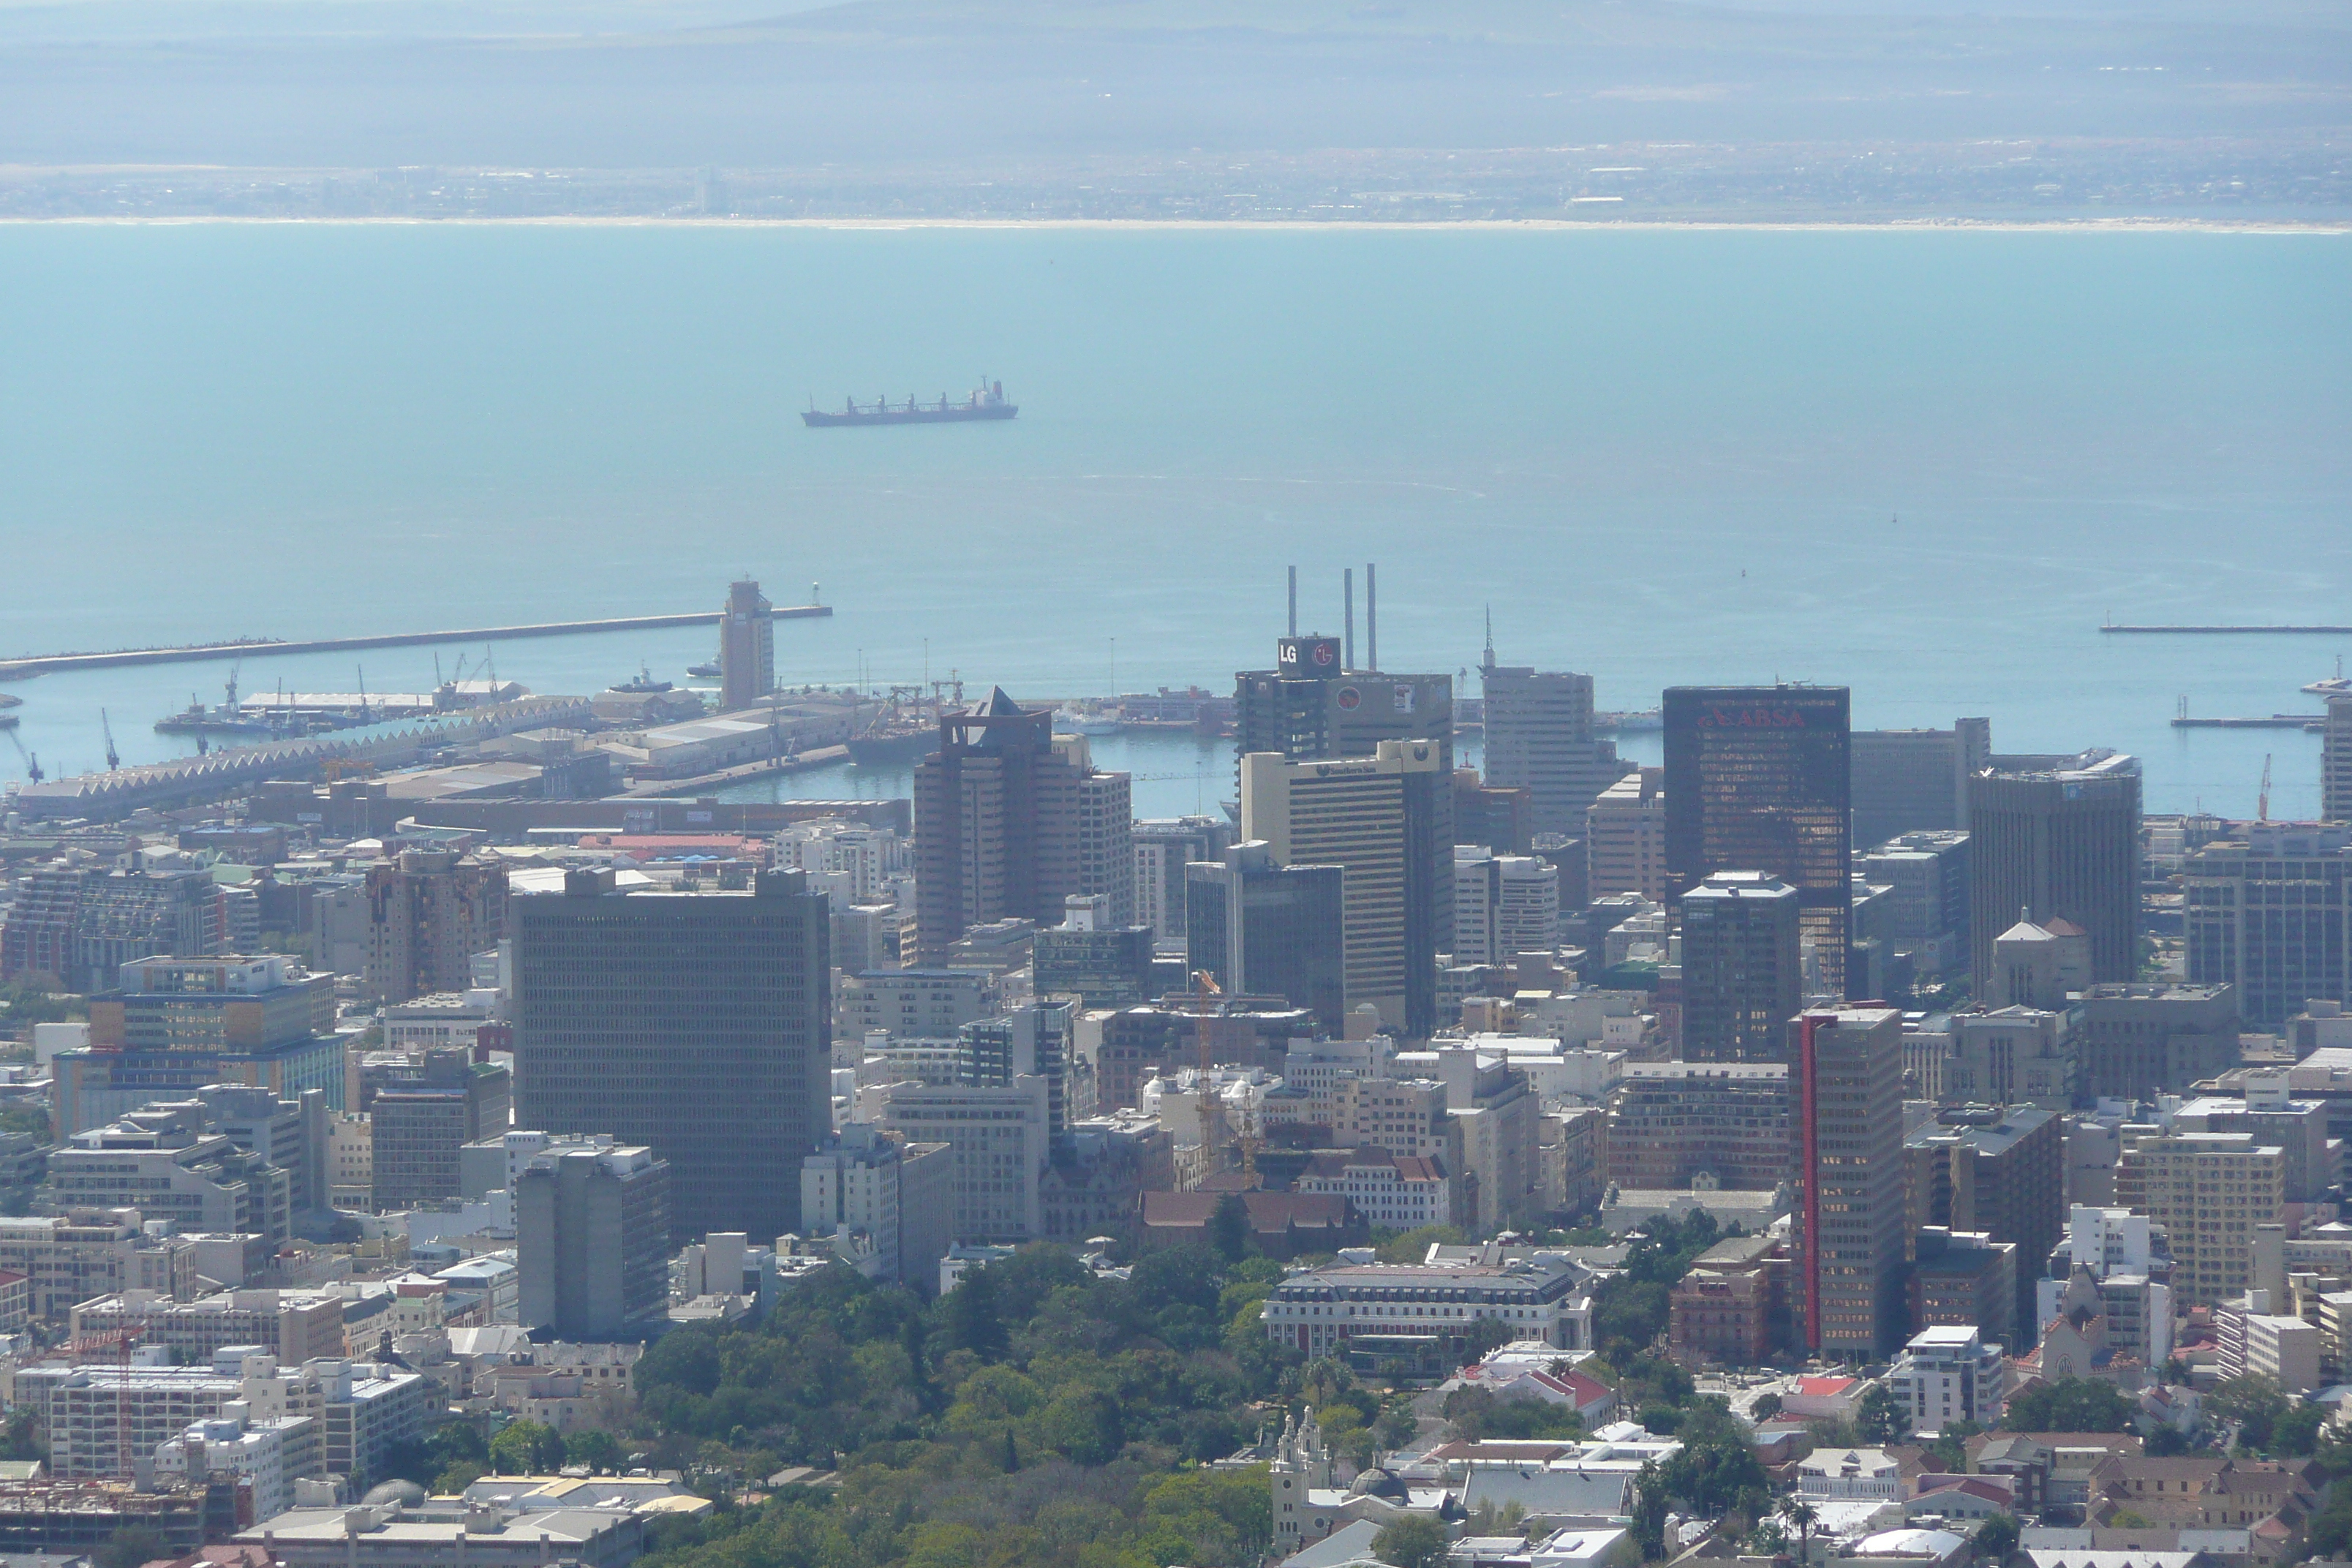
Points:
106	725
2263	801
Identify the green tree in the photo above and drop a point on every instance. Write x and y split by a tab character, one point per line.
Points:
598	1450
1996	1539
1414	1245
1800	1516
1229	1228
526	1448
1767	1407
2069	1404
2296	1432
130	1546
975	1320
1415	1540
1882	1418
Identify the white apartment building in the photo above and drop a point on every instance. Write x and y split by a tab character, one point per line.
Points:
1948	1375
1504	905
1846	1474
270	1454
999	1140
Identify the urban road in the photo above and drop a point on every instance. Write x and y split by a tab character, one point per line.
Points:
44	664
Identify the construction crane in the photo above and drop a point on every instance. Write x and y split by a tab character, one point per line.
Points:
113	760
32	759
2263	801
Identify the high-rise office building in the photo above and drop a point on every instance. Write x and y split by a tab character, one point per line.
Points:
2209	1191
999	1138
2335	761
893	1194
1504	905
2057	838
428	913
1088	957
77	927
2138	1041
1998	1169
1266	930
1010	820
1377	819
697	1024
1846	1087
419	1119
593	1241
747	647
1540	737
1742	978
1913	780
1491	816
1312	706
1030	1041
1757	779
2270	913
1926	875
1625	838
1671	1123
1164	845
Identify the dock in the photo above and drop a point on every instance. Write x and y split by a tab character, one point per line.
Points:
262	647
2230	631
2311	722
790	763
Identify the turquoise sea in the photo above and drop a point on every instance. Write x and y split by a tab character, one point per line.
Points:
1925	464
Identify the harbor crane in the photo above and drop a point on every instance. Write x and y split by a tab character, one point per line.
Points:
32	759
2263	801
106	725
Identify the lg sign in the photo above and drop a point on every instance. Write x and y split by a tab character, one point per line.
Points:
1308	656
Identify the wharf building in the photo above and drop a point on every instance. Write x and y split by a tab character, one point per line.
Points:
428	913
1677	1124
1846	1082
1165	848
1314	707
2058	838
1259	928
1380	819
2209	1191
1913	780
593	1231
174	1026
1010	820
1540	737
2269	911
697	1025
1758	779
1625	838
1743	977
79	926
1998	1171
747	647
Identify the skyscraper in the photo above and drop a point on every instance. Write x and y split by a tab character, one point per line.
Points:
1377	819
697	1024
1911	781
1312	706
428	913
1540	737
2336	763
593	1241
1757	780
1847	1242
747	647
1263	930
1504	905
2269	911
1625	838
1010	820
2058	838
1742	980
1164	845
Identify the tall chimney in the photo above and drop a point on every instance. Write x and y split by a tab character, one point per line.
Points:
1294	601
1348	598
1372	617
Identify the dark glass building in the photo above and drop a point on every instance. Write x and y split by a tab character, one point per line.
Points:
697	1025
2057	838
1758	779
1265	930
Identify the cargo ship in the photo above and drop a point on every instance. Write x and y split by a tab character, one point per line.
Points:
987	402
906	730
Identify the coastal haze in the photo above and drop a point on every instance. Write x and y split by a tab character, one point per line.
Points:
1319	109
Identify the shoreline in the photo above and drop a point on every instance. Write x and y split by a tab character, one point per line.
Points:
1579	226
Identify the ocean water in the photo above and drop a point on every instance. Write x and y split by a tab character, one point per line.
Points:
1926	465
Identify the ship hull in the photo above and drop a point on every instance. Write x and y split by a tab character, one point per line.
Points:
817	419
887	750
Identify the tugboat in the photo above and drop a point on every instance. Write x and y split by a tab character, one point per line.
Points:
709	669
643	683
987	402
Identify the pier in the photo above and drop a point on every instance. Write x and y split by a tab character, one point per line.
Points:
2312	722
44	663
2230	631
